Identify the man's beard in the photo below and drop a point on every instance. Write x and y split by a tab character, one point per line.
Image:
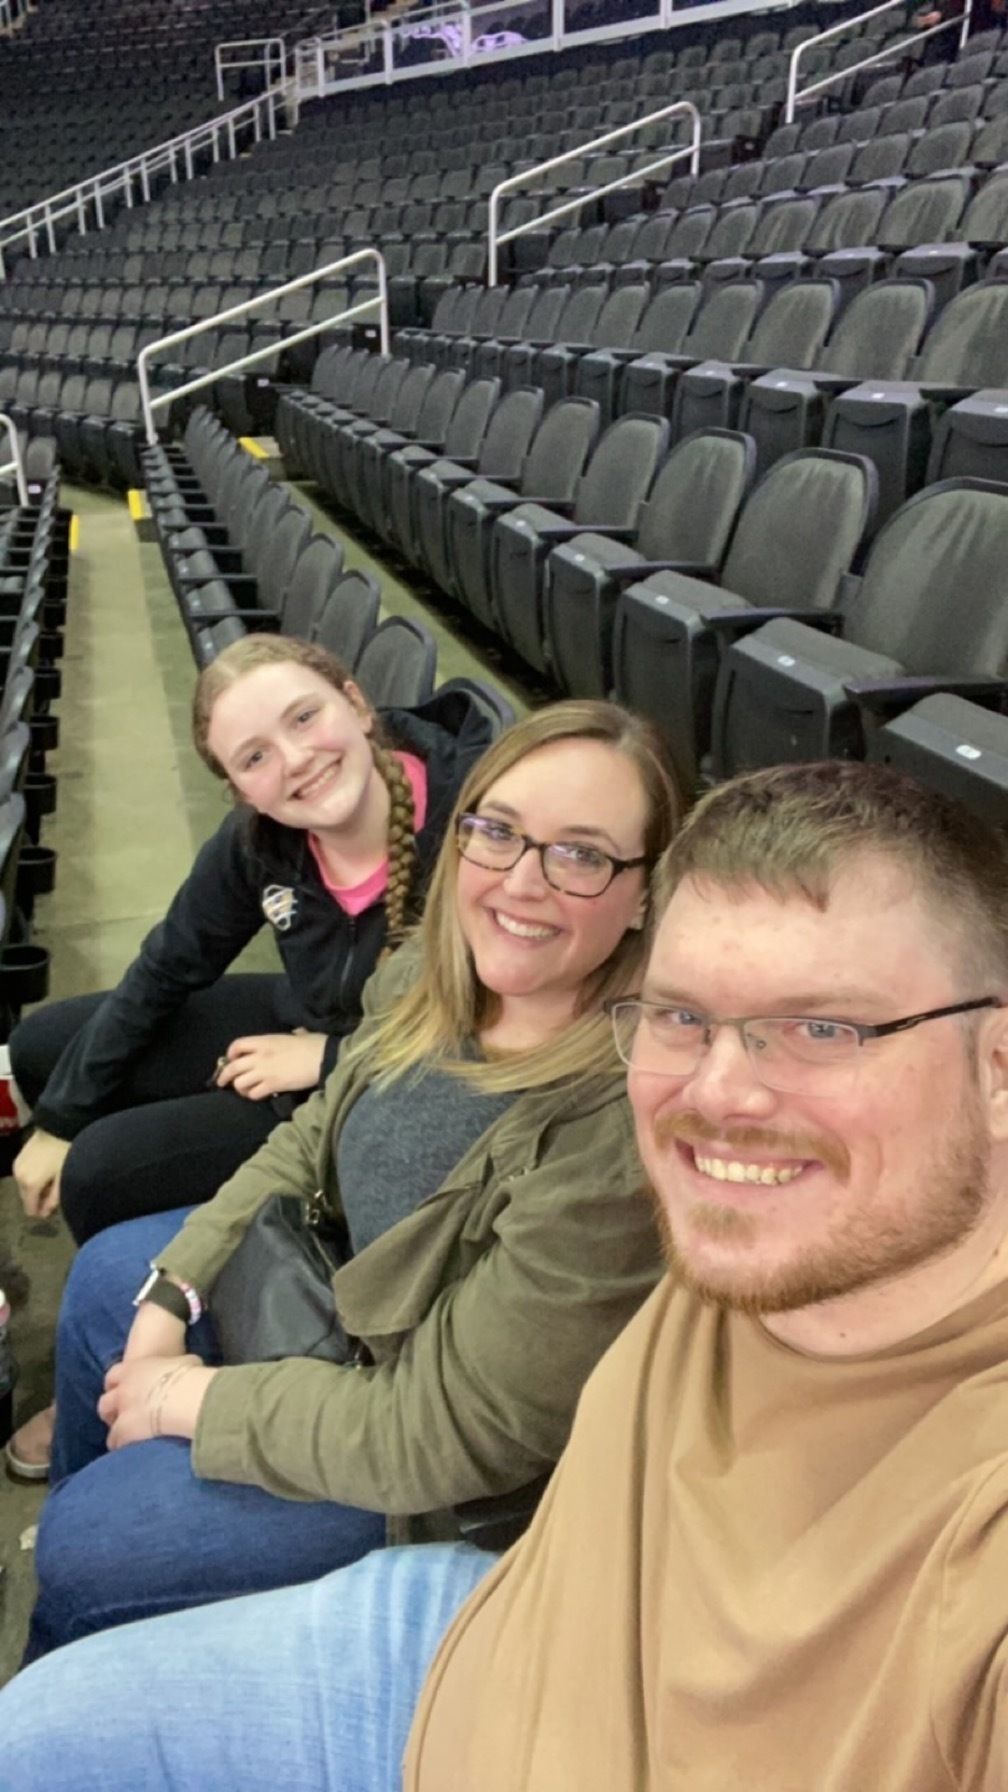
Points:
864	1248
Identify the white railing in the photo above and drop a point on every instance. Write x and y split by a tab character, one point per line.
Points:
795	94
679	109
272	59
328	64
149	405
16	464
224	136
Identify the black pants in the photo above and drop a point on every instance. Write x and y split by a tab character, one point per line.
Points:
173	1141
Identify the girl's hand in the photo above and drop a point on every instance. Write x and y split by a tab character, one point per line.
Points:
272	1064
37	1169
153	1396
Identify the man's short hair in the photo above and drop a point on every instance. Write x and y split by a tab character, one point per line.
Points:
790	830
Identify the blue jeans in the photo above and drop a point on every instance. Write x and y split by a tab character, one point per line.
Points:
313	1687
135	1533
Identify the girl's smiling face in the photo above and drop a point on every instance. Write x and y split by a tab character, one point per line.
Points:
295	748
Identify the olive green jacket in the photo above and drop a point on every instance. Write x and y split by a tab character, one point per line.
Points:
484	1310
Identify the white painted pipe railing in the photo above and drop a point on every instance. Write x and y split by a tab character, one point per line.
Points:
149	405
16	464
272	59
795	94
680	109
225	136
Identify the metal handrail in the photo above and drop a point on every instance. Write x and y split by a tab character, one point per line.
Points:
794	94
692	149
16	465
149	405
175	152
274	50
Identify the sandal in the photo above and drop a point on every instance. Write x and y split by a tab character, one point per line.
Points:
28	1451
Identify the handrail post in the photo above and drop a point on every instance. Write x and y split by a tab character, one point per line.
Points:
557	24
492	242
149	405
388	59
966	24
678	108
17	461
219	71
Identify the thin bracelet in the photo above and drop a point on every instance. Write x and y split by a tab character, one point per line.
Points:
159	1393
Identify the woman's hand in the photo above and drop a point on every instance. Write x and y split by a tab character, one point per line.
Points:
153	1396
37	1170
154	1333
271	1064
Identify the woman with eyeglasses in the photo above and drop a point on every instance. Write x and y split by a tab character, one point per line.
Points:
476	1142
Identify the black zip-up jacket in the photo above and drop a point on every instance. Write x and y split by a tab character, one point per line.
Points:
253	871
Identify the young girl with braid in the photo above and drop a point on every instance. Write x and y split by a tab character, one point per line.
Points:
167	1083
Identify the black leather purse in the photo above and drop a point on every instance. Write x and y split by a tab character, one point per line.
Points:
274	1296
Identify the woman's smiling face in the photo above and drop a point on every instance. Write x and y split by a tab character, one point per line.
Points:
529	941
293	747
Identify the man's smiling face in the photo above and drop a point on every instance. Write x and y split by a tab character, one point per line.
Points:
772	1201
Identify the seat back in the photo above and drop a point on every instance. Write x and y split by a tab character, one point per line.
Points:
275	562
349	616
724	321
620	471
968	343
878	334
794	325
559	450
668	318
696	497
509	434
398	664
439	401
932	594
470	419
313	580
801	529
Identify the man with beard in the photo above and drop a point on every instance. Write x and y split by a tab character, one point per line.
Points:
775	1553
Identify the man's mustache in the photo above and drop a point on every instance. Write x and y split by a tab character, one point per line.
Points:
690	1128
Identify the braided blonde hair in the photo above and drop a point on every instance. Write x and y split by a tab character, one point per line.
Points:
402	854
246	656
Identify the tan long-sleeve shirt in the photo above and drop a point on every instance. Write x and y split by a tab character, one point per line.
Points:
753	1569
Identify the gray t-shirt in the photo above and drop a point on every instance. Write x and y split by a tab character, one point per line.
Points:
398	1144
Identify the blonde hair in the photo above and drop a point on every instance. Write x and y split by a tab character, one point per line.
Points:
447	1005
247	655
790	829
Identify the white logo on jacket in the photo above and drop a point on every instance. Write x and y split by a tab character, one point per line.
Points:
279	905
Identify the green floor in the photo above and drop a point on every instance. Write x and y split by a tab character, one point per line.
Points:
134	804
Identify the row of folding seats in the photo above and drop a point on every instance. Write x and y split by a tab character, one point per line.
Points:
218	515
34	544
672	576
792	370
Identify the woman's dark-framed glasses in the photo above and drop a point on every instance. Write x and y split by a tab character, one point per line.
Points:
574	866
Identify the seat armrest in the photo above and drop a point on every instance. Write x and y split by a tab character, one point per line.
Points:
743	622
228	559
886	697
263	619
560	531
216	534
235	581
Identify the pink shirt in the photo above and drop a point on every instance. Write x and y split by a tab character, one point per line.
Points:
357	897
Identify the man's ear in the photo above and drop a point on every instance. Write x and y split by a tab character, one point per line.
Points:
993	1063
